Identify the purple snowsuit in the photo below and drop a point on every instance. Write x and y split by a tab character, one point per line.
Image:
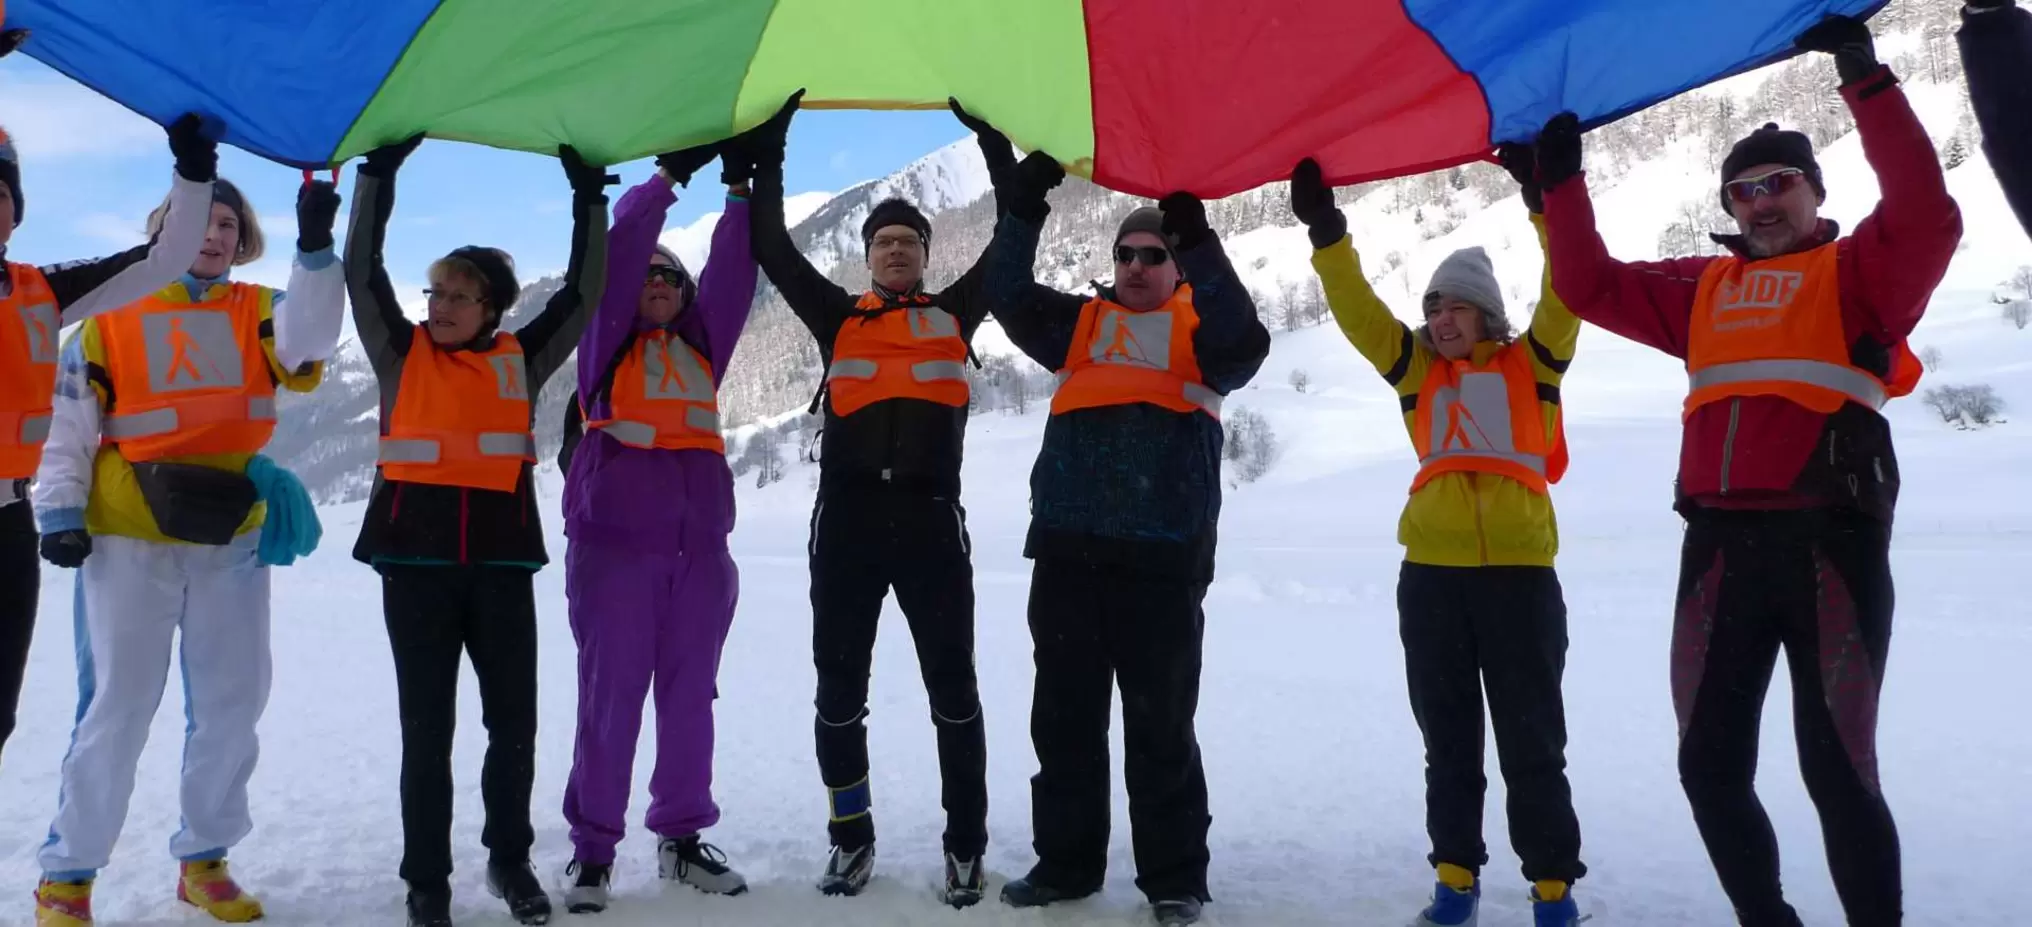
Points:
651	585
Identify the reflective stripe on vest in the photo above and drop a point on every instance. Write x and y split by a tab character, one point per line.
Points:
1858	386
643	434
34	429
897	350
1120	356
188	415
29	328
852	370
428	451
933	371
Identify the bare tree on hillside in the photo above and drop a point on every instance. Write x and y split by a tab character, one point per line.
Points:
2021	280
2018	312
1930	358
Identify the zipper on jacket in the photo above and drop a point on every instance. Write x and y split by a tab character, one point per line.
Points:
1729	442
463	532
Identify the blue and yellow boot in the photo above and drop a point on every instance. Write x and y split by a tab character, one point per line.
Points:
1552	904
1455	896
209	887
63	904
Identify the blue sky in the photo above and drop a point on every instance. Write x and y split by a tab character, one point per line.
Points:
92	170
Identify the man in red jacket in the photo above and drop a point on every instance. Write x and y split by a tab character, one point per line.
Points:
1787	479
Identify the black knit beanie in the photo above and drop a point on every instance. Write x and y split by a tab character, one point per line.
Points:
1145	219
894	211
1772	145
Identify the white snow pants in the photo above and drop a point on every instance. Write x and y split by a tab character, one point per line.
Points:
133	596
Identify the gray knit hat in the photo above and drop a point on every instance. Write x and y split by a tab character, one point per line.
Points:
1468	275
1145	219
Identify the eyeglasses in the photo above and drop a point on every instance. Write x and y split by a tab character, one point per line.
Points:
453	297
1150	255
895	241
667	274
1776	183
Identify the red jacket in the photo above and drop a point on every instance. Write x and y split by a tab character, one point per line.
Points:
1760	451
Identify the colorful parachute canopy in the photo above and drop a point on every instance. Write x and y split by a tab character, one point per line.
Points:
1143	96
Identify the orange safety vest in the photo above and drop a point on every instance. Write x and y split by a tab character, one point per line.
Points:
29	323
663	397
189	377
461	417
891	351
1486	420
1120	356
1774	328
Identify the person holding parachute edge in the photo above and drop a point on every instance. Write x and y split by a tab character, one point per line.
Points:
1794	342
888	511
648	507
1126	500
36	304
153	485
1480	605
452	525
1996	50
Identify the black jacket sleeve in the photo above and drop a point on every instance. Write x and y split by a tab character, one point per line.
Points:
1996	51
1231	342
383	330
550	338
1040	320
819	303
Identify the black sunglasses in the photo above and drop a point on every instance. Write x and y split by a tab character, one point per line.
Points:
667	274
1151	256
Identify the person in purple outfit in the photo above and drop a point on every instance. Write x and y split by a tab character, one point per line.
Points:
648	503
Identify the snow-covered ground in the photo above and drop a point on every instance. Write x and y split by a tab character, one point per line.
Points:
1312	757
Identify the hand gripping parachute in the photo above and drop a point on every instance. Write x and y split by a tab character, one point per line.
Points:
1142	96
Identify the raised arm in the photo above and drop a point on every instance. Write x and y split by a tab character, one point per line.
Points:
819	303
1901	250
1554	333
378	322
1040	320
1231	342
965	299
1996	51
638	218
1367	323
553	335
87	288
1650	303
726	286
307	323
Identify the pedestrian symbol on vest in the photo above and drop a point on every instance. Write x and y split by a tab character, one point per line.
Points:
1477	414
672	371
40	322
192	349
1134	339
509	378
932	322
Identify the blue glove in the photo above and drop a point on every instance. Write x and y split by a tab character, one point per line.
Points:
291	529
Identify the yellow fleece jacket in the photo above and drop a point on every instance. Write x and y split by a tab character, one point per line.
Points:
1457	519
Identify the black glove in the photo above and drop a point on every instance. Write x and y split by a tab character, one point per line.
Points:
1522	163
317	208
67	549
1559	151
680	165
1027	183
1313	203
11	40
588	181
737	167
995	147
764	143
1848	40
197	157
1185	220
387	159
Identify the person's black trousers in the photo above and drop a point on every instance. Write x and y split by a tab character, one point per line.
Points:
1500	629
434	614
1092	626
20	587
1818	585
863	544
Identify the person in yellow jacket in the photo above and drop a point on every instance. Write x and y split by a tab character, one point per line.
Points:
151	486
1478	601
